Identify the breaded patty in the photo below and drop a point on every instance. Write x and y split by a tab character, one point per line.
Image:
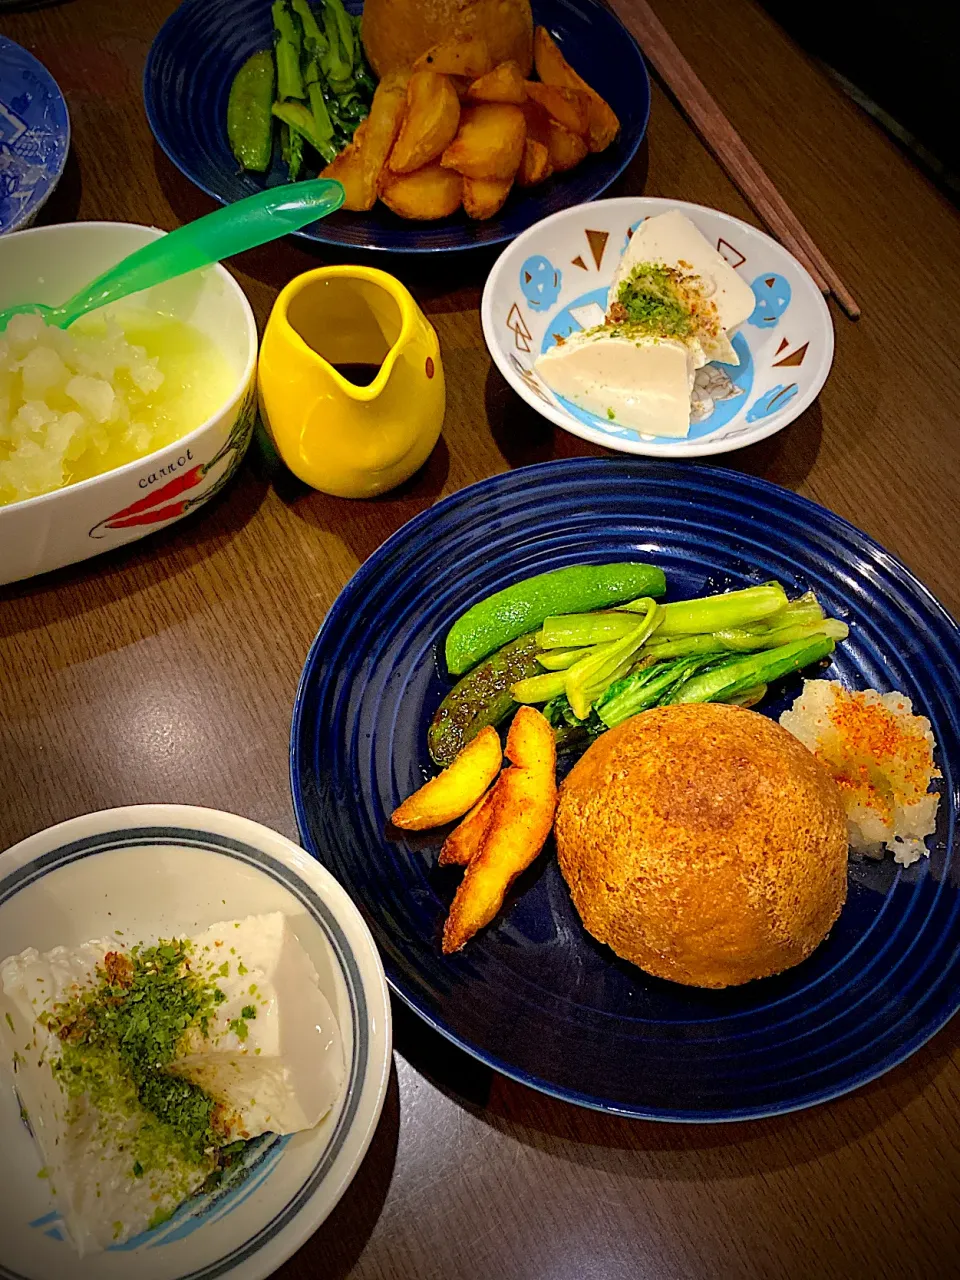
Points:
703	843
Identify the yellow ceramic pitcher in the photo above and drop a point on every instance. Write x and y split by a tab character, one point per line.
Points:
329	331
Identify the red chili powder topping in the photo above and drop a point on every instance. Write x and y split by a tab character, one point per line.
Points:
871	731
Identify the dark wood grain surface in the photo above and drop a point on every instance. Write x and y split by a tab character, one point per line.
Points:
167	671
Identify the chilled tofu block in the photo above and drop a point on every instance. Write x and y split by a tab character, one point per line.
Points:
279	1068
640	383
672	239
85	1149
234	1034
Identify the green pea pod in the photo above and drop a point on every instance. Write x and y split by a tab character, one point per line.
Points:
249	118
525	605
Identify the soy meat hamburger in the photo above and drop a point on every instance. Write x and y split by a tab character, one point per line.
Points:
703	843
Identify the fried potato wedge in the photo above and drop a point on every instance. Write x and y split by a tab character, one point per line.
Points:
522	817
465	840
456	789
568	107
359	165
463	55
553	69
505	83
483	197
565	149
535	167
489	142
531	742
429	123
424	195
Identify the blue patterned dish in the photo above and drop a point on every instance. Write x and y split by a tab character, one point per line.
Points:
534	996
34	136
200	47
554	279
162	871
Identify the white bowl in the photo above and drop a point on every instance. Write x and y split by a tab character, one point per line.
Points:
567	262
49	264
168	870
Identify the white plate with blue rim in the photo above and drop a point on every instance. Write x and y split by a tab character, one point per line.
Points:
34	136
167	871
554	279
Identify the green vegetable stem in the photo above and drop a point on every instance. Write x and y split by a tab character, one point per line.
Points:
286	45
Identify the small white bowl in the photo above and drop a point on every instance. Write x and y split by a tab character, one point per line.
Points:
554	279
49	264
170	870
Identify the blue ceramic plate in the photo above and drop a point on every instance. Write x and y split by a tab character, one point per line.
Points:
201	46
34	136
534	996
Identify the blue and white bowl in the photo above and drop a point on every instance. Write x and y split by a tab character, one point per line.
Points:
34	136
554	279
168	870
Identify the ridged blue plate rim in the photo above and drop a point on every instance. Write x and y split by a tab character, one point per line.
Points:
180	64
894	956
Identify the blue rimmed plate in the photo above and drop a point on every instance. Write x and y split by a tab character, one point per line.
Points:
168	870
34	136
198	50
533	995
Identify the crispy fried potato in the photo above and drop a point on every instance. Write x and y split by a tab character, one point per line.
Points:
425	194
531	742
568	107
553	69
564	148
465	840
483	197
429	123
451	793
535	167
505	83
359	165
489	142
522	817
463	55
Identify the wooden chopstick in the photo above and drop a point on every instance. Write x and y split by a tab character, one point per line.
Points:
729	148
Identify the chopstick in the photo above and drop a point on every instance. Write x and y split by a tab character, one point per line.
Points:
728	147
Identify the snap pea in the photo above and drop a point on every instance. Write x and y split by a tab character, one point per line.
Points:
249	120
523	606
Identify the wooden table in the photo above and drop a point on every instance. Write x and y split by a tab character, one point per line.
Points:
167	671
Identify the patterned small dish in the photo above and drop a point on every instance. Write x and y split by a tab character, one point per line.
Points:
34	136
169	870
553	280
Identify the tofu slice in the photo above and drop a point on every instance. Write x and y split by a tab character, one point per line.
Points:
671	238
282	1070
85	1151
640	383
278	1071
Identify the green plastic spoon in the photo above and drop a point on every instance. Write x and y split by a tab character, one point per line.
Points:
250	222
